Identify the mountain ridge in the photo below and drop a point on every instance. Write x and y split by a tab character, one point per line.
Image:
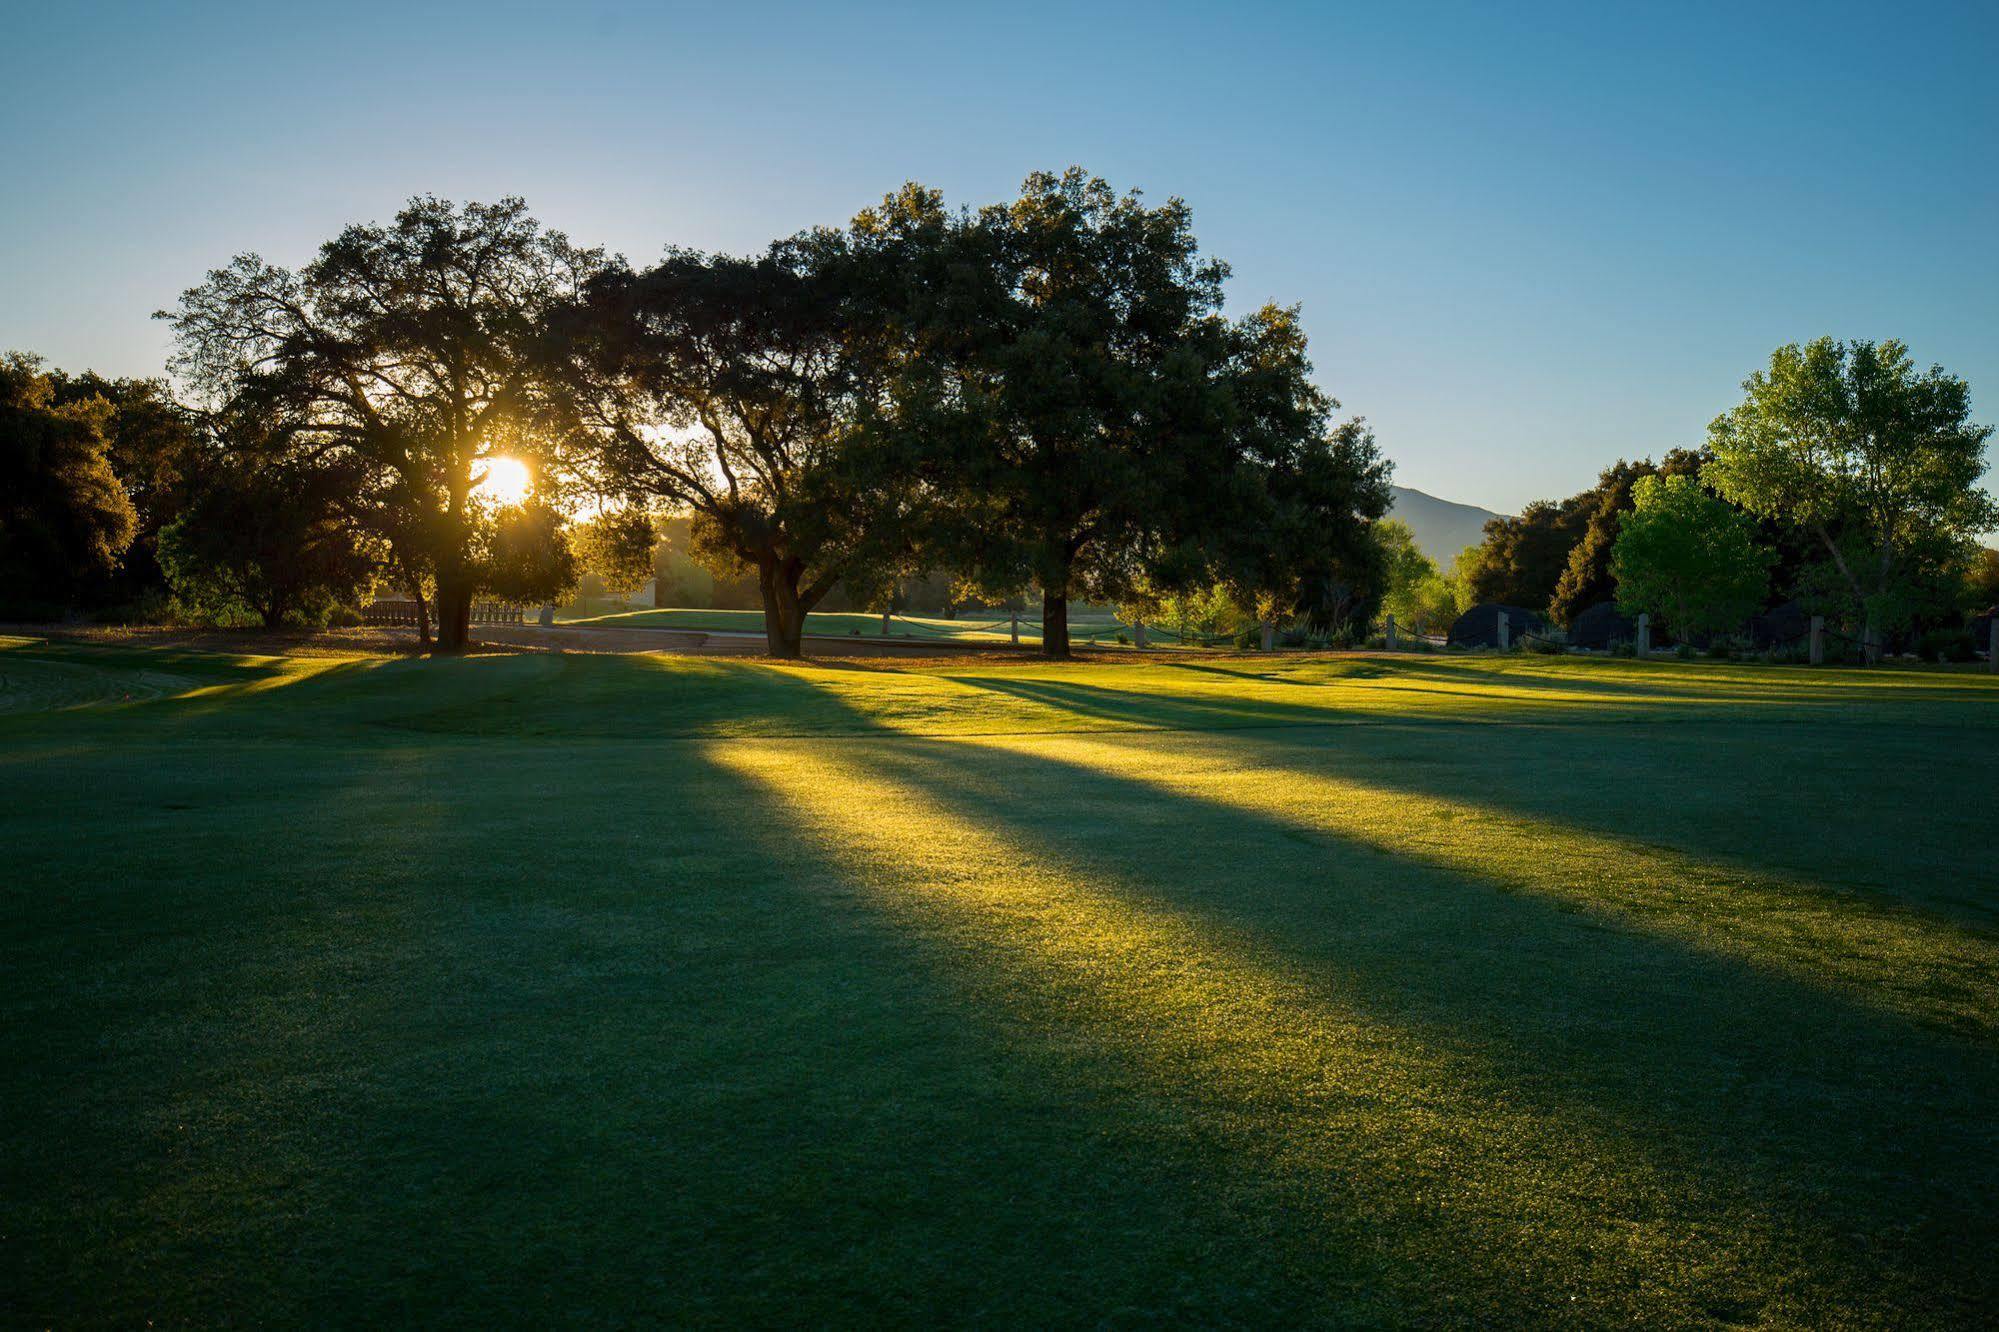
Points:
1442	527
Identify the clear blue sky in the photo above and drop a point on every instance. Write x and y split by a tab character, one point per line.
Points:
1527	241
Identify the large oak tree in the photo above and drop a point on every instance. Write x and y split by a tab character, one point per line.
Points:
775	398
414	352
1126	433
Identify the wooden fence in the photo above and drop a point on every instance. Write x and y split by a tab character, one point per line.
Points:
404	613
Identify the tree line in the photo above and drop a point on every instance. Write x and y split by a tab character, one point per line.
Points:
1846	479
1043	395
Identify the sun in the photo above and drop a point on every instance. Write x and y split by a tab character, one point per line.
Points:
506	482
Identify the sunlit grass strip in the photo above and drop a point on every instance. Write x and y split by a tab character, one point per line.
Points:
1898	959
1402	1140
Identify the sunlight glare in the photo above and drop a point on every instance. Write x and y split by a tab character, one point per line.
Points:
506	482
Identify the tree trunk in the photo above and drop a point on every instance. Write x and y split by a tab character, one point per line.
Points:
784	618
1055	625
454	614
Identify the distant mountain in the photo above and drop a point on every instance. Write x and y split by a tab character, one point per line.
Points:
1442	528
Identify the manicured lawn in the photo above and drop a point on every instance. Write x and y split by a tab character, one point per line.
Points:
595	989
1098	628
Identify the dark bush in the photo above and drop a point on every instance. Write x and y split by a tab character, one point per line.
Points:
1941	645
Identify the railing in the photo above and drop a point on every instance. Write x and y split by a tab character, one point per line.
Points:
404	613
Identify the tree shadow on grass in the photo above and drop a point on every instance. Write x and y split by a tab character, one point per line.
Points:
501	1030
1730	684
1866	818
1805	797
1803	1120
444	1031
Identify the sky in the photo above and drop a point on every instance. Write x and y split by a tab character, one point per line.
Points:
1527	240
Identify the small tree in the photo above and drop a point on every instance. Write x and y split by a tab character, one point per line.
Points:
1687	558
1522	560
1586	579
1877	461
616	545
154	441
1414	589
526	554
268	536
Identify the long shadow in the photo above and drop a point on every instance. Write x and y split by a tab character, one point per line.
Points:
1786	809
408	1068
1836	1119
1700	681
526	1038
1695	785
1135	706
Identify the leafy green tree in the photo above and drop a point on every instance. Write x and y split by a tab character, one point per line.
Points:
1416	593
1123	432
1292	530
1981	580
1586	577
1688	558
771	397
65	519
413	351
617	545
1880	463
268	535
153	442
526	553
1522	559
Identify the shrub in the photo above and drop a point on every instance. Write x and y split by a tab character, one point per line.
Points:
1685	652
1941	645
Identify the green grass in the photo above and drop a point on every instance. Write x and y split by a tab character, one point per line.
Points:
984	627
588	989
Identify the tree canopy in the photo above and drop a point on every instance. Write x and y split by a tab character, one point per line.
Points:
1586	578
1877	461
413	351
65	518
1684	556
1522	560
770	396
1123	432
268	535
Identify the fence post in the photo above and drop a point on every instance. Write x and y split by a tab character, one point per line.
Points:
1818	640
1388	633
1644	634
1992	646
885	616
1015	629
1269	635
1138	633
1505	632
